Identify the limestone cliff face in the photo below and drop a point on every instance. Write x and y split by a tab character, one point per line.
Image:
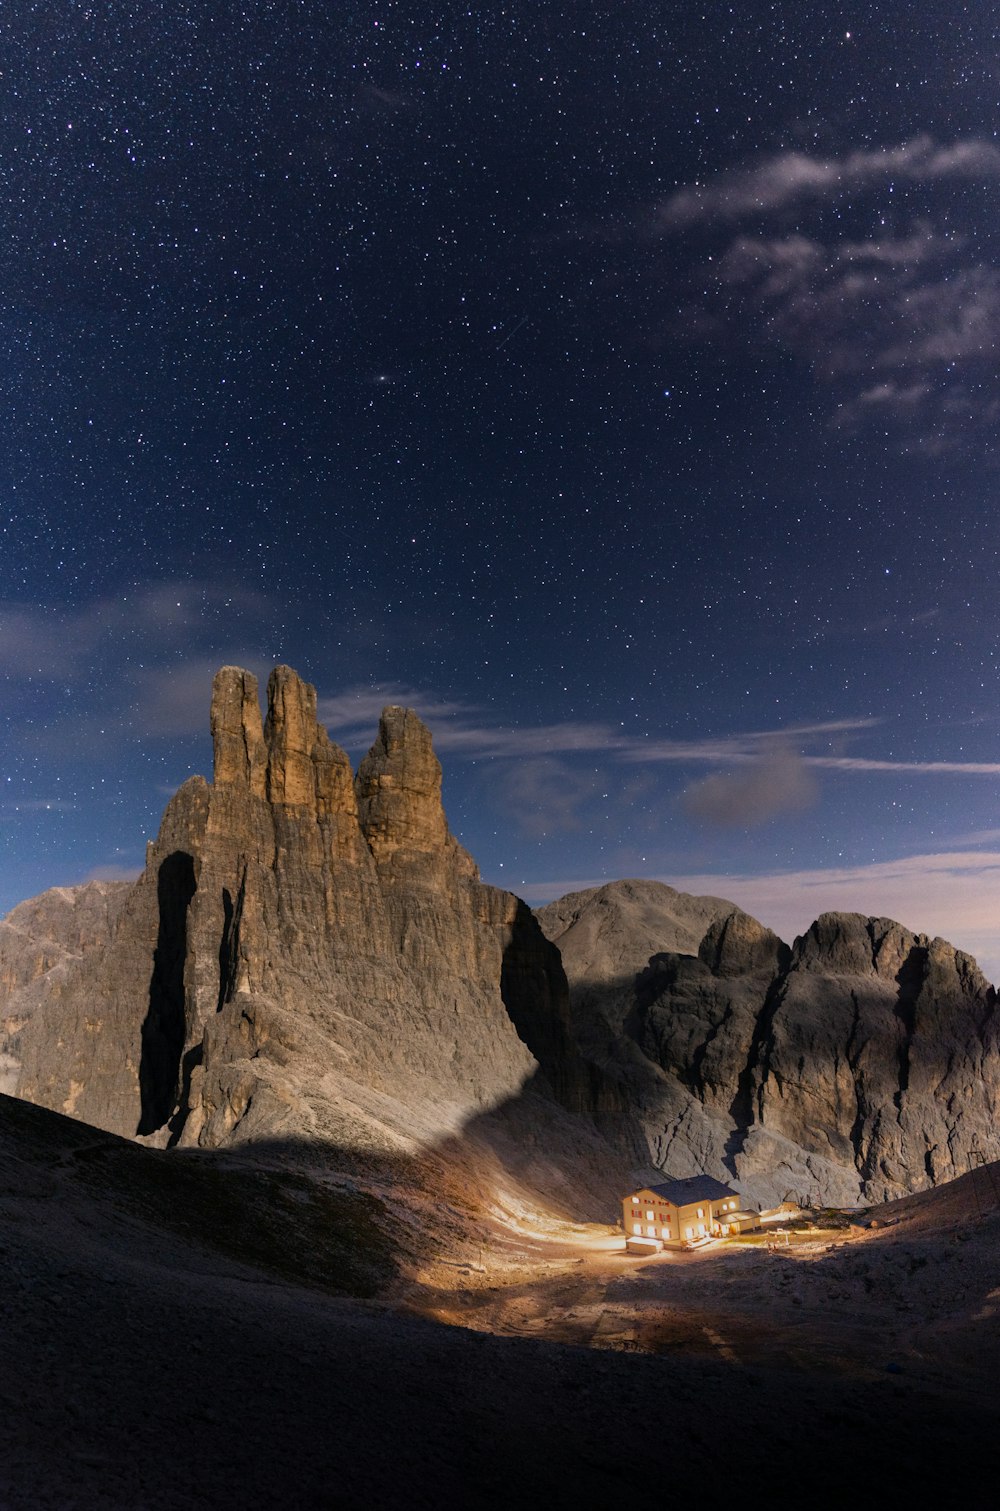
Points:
305	954
861	1064
880	1055
311	955
61	924
398	790
40	942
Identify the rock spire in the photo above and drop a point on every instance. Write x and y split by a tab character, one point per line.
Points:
304	953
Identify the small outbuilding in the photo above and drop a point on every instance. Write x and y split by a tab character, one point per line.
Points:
684	1211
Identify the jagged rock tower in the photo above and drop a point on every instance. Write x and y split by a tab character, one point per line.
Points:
307	955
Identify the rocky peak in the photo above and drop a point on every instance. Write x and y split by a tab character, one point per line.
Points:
398	788
290	732
290	760
849	944
288	966
304	767
737	945
240	755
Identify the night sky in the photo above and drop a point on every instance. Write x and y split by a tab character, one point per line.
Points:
615	383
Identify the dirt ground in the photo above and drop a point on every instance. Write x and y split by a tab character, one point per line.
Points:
917	1296
143	1367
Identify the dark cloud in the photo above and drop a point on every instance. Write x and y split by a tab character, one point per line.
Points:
777	782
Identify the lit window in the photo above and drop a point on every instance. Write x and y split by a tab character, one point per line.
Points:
649	1216
637	1228
635	1201
651	1231
701	1211
666	1232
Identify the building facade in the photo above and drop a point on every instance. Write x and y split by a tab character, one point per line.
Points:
683	1211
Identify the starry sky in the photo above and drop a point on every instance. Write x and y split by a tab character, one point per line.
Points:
615	384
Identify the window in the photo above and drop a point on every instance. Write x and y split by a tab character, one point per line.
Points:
635	1201
701	1211
666	1232
637	1229
649	1217
651	1231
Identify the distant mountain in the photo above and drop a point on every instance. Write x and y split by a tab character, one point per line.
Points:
862	1063
311	960
41	941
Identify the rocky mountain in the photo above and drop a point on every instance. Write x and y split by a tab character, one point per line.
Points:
862	1063
311	961
309	956
41	941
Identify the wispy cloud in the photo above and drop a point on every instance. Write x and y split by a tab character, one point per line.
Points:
790	177
149	620
138	664
459	728
911	768
352	716
904	324
848	309
773	758
736	748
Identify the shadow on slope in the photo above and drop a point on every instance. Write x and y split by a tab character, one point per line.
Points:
348	1220
278	1220
119	1349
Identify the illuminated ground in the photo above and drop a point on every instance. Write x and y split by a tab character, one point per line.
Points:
916	1296
168	1339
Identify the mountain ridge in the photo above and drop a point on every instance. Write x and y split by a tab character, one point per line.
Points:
310	952
858	1064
